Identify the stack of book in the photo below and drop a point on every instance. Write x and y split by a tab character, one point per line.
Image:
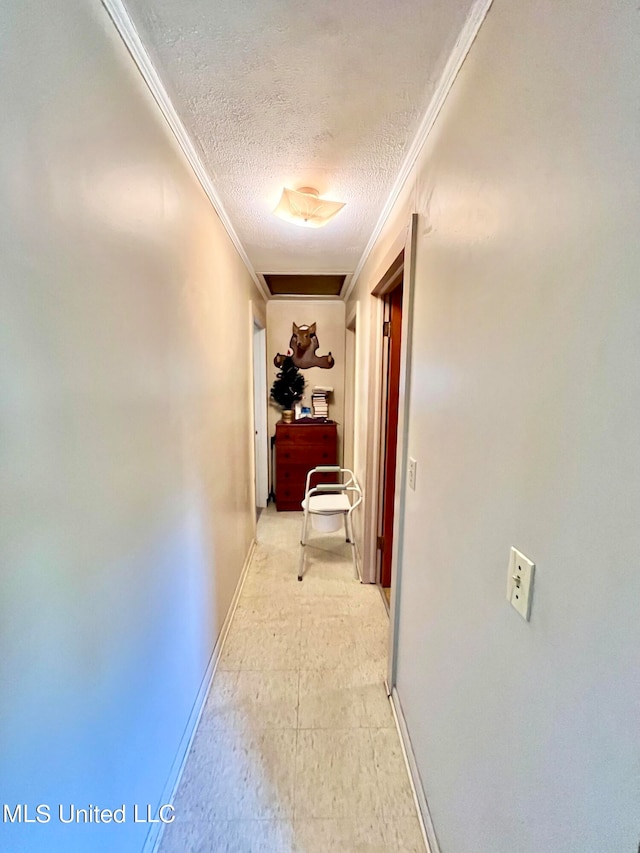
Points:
319	401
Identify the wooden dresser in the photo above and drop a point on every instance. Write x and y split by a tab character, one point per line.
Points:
301	446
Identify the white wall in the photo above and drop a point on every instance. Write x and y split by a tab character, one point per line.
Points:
524	421
349	397
125	418
329	315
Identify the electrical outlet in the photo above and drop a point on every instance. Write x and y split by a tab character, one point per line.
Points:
412	473
520	583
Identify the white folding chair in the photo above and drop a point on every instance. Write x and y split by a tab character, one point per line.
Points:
327	502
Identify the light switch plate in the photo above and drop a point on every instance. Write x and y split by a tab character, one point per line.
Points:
412	473
520	582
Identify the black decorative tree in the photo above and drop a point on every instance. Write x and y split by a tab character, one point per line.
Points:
288	386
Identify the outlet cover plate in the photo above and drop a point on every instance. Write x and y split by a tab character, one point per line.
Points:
520	583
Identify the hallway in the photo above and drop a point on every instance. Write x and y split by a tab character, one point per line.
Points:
484	154
297	747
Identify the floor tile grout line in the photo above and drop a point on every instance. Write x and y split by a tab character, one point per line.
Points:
305	614
295	757
295	781
379	784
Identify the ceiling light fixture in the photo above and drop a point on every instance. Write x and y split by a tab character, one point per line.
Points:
305	207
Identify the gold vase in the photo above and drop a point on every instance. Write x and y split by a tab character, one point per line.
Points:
287	416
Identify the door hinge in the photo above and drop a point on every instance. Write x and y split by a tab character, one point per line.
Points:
380	543
386	329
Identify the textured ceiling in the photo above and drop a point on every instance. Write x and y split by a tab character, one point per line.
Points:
295	93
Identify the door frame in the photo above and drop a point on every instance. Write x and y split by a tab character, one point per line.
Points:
259	407
391	293
406	239
351	390
402	446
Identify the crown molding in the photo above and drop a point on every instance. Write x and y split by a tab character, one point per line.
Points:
264	285
346	287
456	59
129	35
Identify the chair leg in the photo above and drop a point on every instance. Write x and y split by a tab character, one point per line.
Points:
303	542
349	522
346	527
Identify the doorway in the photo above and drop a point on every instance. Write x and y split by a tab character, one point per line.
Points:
390	291
260	416
348	453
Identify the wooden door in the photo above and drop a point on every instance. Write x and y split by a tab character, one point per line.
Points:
389	432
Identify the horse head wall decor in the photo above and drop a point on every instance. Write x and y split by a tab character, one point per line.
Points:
302	349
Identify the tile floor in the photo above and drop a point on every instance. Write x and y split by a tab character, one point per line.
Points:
297	749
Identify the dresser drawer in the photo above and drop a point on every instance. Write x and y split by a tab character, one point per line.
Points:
289	497
292	472
307	457
306	435
299	448
297	475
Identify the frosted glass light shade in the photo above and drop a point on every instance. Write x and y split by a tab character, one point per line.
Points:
304	207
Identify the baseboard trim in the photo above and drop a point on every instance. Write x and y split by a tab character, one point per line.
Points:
154	836
424	816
